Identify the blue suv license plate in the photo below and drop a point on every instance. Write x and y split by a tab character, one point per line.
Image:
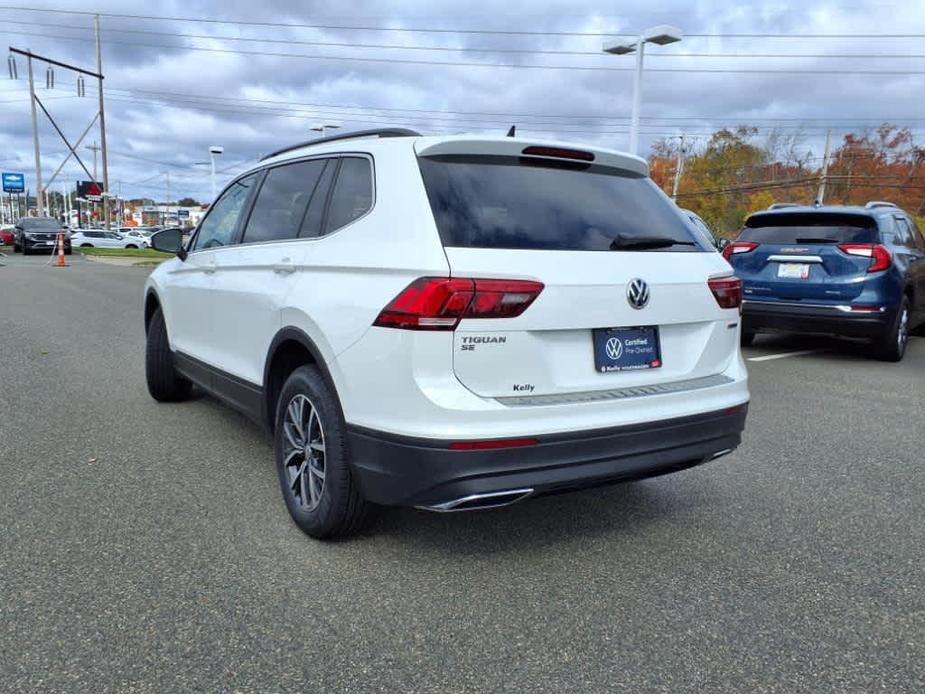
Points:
626	349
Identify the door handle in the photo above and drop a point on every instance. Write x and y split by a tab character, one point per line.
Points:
284	266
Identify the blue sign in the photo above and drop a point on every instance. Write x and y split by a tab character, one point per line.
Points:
13	183
183	214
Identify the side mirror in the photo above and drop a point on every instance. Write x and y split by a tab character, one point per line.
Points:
722	243
169	241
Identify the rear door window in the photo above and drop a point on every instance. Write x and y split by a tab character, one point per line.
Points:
903	232
513	203
810	229
314	216
283	200
917	237
353	193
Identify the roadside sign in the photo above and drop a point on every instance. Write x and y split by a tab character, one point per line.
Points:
183	214
14	183
88	189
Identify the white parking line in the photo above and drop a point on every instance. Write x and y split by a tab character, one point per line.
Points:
784	355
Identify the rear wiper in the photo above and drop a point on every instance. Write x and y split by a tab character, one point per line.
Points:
812	240
641	243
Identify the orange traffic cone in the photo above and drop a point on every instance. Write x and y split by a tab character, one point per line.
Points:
60	261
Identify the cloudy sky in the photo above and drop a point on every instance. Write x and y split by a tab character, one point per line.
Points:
259	75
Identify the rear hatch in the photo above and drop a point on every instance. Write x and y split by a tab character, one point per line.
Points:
801	257
585	230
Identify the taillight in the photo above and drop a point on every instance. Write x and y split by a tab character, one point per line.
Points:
558	153
439	303
880	256
727	290
737	247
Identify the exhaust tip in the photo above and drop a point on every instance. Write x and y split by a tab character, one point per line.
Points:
477	502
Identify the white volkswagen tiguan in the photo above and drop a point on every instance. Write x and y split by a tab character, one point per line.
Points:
452	323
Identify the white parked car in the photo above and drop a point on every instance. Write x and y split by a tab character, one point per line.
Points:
100	238
452	323
134	234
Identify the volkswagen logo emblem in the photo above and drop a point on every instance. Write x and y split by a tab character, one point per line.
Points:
637	293
614	348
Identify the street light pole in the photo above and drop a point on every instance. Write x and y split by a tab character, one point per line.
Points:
637	97
661	35
213	150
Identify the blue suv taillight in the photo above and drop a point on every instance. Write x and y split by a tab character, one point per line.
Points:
880	256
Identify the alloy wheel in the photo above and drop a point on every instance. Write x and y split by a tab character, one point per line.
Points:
902	335
304	452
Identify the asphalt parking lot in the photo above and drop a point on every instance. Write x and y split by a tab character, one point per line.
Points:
145	547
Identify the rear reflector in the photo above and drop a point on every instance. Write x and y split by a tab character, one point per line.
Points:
860	308
737	247
880	256
558	153
727	290
439	303
491	445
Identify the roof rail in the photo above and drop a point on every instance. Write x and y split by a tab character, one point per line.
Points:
379	132
782	205
878	203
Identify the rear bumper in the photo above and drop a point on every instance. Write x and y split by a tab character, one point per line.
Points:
402	471
817	320
32	245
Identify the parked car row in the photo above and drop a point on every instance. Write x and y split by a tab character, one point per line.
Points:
40	234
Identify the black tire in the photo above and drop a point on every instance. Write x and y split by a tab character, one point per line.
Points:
25	251
67	252
86	245
17	248
164	383
892	346
747	339
132	246
338	508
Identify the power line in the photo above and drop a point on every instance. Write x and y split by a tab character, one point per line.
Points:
440	30
520	66
467	49
433	124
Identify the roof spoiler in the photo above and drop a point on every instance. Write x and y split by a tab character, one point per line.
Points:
530	149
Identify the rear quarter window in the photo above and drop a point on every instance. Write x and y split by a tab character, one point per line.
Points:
517	203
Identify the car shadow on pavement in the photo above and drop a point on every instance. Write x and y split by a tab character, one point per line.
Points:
779	343
628	509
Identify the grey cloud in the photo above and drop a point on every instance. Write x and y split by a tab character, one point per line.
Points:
178	134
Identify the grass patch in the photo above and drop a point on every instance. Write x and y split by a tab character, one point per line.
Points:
127	253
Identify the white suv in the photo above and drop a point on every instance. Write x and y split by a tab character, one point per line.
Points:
452	323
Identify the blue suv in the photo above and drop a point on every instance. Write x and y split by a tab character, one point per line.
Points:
844	271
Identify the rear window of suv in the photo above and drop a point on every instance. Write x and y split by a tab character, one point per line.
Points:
810	228
515	203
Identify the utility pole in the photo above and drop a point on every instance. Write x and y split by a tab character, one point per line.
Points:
35	140
95	148
99	69
820	197
678	170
